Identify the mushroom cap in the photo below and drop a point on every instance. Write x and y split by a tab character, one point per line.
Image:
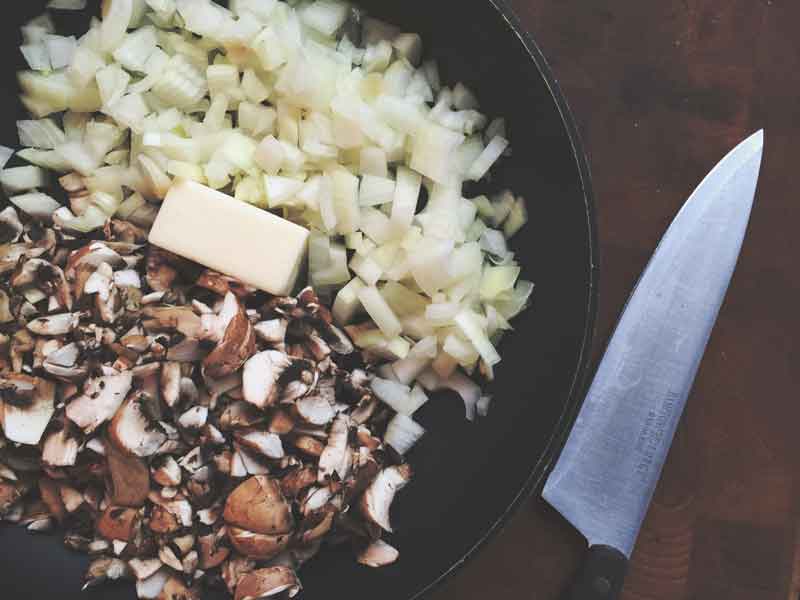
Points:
264	583
260	546
258	505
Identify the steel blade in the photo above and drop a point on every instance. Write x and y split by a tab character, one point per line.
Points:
605	477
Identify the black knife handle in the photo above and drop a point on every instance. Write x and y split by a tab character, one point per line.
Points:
601	576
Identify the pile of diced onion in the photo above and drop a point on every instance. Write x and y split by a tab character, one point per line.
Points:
284	107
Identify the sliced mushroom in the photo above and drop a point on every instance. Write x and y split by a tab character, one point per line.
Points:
262	442
316	499
317	526
234	569
10	226
309	445
151	587
101	398
337	458
28	406
260	546
265	583
238	344
175	589
378	554
171	383
168	473
71	498
298	480
48	490
194	418
260	377
377	500
172	318
212	554
273	331
61	447
144	568
315	410
104	569
54	324
215	325
258	505
130	477
161	274
117	523
163	521
132	430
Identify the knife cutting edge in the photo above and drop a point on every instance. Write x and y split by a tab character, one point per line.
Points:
605	477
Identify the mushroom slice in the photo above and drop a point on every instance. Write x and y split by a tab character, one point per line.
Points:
272	331
239	414
61	447
172	318
377	500
54	324
315	500
151	588
71	498
104	569
215	325
260	377
378	554
94	255
66	356
238	344
293	484
265	583
160	272
167	556
28	406
194	418
234	569
133	431
262	442
130	477
46	277
258	505
317	526
168	473
260	546
187	350
10	493
315	410
10	226
101	398
337	458
309	445
171	383
144	568
212	554
117	523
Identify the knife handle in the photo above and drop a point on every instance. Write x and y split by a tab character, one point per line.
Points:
601	576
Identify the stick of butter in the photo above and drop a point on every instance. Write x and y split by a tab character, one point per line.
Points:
230	236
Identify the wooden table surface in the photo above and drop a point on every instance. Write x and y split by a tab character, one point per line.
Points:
662	89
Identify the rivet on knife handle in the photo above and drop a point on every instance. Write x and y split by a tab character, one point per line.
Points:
601	575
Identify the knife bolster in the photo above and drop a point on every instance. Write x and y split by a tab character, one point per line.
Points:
601	576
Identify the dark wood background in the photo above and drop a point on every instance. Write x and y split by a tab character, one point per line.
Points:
662	89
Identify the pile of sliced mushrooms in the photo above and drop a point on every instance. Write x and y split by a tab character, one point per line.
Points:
181	428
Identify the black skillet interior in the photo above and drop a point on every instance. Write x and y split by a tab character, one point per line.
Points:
468	476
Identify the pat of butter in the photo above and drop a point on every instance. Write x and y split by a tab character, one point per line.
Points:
230	236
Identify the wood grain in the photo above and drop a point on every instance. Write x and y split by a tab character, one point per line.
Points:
662	90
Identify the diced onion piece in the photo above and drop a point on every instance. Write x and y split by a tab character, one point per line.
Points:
463	98
157	180
270	155
517	219
403	301
372	161
442	314
129	110
115	23
429	263
488	157
43	134
5	156
336	272
468	322
496	281
433	152
79	158
325	16
511	307
22	179
396	395
136	49
345	200
67	4
346	305
461	350
49	159
406	197
402	433
366	268
380	312
36	204
37	56
419	358
280	190
377	56
376	225
375	191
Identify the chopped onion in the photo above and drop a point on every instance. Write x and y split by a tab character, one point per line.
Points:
468	323
36	204
487	158
380	312
67	4
61	50
37	56
5	156
402	433
43	134
22	179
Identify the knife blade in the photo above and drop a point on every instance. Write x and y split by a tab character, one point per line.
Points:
606	474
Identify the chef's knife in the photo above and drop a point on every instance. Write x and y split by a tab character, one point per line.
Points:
604	479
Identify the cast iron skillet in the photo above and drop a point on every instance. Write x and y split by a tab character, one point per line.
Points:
469	477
